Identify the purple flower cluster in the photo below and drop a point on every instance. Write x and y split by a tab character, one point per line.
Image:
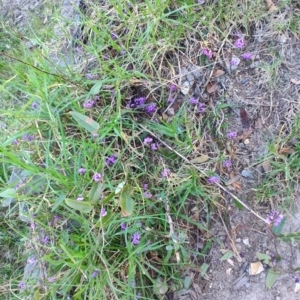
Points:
165	173
90	103
213	179
95	273
227	163
239	43
173	88
79	198
232	134
147	194
136	238
247	56
153	145
123	226
137	102
207	52
193	100
81	171
97	177
111	160
275	218
201	107
151	108
103	212
34	105
27	137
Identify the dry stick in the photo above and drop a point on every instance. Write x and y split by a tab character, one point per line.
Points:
202	172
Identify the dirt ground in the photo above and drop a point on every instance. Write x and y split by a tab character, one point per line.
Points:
264	88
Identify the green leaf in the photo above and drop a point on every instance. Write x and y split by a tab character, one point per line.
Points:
126	202
278	229
187	282
104	221
271	278
227	255
86	122
289	237
9	193
84	207
106	199
264	257
96	88
204	269
119	187
95	193
238	205
58	201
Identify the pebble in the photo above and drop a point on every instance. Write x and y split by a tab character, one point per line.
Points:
247	174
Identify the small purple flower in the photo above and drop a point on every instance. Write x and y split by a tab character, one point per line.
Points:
95	135
154	146
34	105
45	239
213	179
123	226
27	137
32	225
132	283
234	61
239	43
111	160
201	1
165	173
201	107
96	177
81	171
207	52
79	198
123	52
145	186
247	56
88	104
171	100
147	195
173	88
21	285
103	212
114	36
136	238
31	260
193	100
15	142
275	217
147	140
227	163
232	134
20	183
95	273
51	279
297	280
89	76
151	108
140	101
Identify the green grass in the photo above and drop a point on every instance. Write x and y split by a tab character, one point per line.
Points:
70	239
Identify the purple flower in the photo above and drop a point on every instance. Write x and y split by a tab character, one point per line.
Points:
173	88
21	285
15	142
247	56
34	105
234	61
201	1
45	239
227	163
147	195
151	108
27	137
207	52
31	260
139	101
145	186
239	43
95	273
193	100
81	171
95	135
147	140
32	225
123	52
213	179
79	198
111	160
138	296
51	279
275	217
136	238
171	100
88	104
89	76
201	107
20	183
96	177
232	134
165	173
123	226
154	146
103	212
114	36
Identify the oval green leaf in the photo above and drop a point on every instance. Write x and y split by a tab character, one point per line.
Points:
86	122
126	202
84	207
271	278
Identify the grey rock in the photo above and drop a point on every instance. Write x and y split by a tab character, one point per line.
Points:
247	174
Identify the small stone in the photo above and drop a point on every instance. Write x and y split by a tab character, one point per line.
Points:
247	174
246	141
246	242
185	88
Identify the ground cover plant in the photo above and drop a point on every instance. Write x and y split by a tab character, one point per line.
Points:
115	166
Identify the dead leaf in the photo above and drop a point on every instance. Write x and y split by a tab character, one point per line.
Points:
235	184
211	87
270	6
230	261
295	81
245	134
218	73
233	179
286	150
244	118
266	166
228	271
200	159
256	268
